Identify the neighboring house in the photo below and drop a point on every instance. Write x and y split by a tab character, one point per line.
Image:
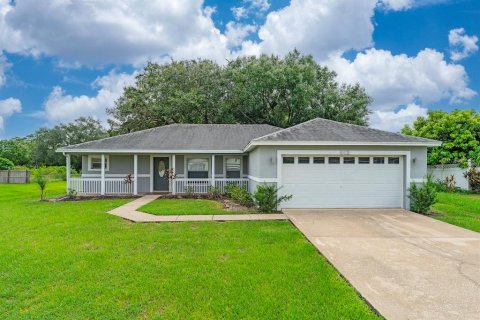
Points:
322	163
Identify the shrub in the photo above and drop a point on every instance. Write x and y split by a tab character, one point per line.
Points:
189	191
6	164
71	193
266	198
440	185
450	183
423	197
239	194
473	177
41	179
214	192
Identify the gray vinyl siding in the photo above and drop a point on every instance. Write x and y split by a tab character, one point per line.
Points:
143	164
262	160
120	164
143	184
245	165
219	165
179	164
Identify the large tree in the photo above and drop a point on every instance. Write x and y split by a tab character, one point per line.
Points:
288	91
17	150
459	131
266	89
47	141
176	92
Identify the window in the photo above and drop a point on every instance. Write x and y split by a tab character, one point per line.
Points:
288	160
363	160
349	160
333	160
393	160
197	168
233	165
318	159
378	160
95	163
304	160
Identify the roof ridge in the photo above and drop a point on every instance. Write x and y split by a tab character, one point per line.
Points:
374	129
284	129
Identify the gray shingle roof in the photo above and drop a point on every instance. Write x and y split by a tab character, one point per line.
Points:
319	129
182	137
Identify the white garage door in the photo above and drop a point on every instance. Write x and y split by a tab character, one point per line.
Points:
343	181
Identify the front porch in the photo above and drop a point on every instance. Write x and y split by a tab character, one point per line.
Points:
121	174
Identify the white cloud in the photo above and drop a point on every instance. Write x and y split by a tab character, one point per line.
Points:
7	108
398	5
3	66
249	7
109	31
239	12
394	80
130	32
461	45
395	120
399	80
61	107
319	27
237	32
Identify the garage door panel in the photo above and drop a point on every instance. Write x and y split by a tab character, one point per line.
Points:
343	185
329	189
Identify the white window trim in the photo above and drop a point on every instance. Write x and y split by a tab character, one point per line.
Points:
225	164
107	160
202	156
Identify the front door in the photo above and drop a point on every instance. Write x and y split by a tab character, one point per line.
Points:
160	183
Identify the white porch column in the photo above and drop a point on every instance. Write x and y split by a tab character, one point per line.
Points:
68	165
213	170
102	182
135	174
173	183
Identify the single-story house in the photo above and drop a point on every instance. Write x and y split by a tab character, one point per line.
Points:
322	163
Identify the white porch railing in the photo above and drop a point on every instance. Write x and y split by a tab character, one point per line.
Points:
90	186
85	186
185	185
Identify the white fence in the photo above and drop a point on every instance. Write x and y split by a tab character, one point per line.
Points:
440	172
203	185
86	186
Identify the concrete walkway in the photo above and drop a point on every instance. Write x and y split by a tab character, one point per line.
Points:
406	265
129	212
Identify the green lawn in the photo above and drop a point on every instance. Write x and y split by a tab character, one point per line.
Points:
459	209
71	260
172	207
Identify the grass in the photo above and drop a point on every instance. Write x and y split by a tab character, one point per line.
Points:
460	209
169	207
71	260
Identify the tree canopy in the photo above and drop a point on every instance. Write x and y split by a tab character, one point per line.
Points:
266	89
38	149
459	131
47	141
17	150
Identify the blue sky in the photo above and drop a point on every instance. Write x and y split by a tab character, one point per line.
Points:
64	59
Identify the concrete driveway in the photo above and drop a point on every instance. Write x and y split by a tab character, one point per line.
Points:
406	265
